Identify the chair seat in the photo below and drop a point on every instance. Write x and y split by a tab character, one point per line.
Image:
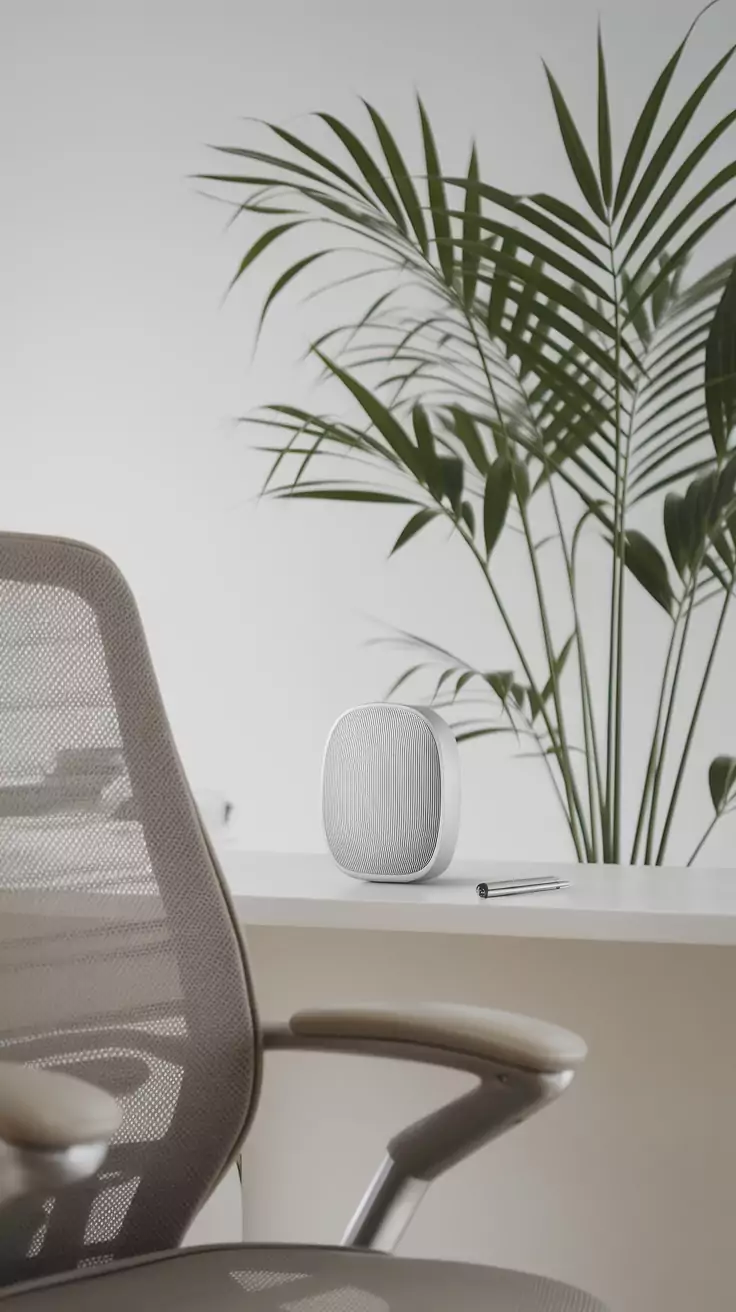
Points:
282	1279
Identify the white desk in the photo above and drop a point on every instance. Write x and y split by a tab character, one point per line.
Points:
604	903
627	1186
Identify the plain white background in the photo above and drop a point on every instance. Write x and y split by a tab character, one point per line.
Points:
123	372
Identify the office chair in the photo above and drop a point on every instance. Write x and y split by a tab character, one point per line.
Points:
130	1046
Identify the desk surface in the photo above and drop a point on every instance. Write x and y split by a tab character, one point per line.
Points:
604	903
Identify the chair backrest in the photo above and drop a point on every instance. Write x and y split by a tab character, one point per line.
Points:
120	960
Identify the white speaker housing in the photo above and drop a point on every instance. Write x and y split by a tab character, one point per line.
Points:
391	793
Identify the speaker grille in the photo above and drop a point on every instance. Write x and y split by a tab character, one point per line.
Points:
382	794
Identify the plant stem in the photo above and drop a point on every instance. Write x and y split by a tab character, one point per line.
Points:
662	750
557	700
622	496
595	791
459	526
573	796
570	810
592	758
706	836
652	760
694	721
613	745
553	780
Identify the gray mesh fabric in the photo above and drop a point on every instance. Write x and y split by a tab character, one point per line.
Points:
303	1280
119	962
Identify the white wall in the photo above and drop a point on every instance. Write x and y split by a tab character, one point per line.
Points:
122	373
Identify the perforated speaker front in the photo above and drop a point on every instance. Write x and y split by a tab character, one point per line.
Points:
382	792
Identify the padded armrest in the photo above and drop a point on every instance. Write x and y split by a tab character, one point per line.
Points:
520	1065
46	1110
467	1032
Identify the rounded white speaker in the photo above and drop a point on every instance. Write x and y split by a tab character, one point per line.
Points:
391	793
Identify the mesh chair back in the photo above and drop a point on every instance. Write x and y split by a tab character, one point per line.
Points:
119	958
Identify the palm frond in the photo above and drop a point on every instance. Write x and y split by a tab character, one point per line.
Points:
505	347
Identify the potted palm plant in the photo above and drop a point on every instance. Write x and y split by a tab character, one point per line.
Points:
518	361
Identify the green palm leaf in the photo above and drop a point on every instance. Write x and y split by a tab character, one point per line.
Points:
666	149
605	165
347	493
499	483
568	214
386	423
437	198
414	526
673	263
689	211
401	177
471	232
368	167
576	152
465	429
283	281
548	254
260	245
500	287
644	128
720	369
329	165
556	292
677	182
533	211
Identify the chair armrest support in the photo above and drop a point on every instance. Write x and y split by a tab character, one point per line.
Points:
54	1129
520	1064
